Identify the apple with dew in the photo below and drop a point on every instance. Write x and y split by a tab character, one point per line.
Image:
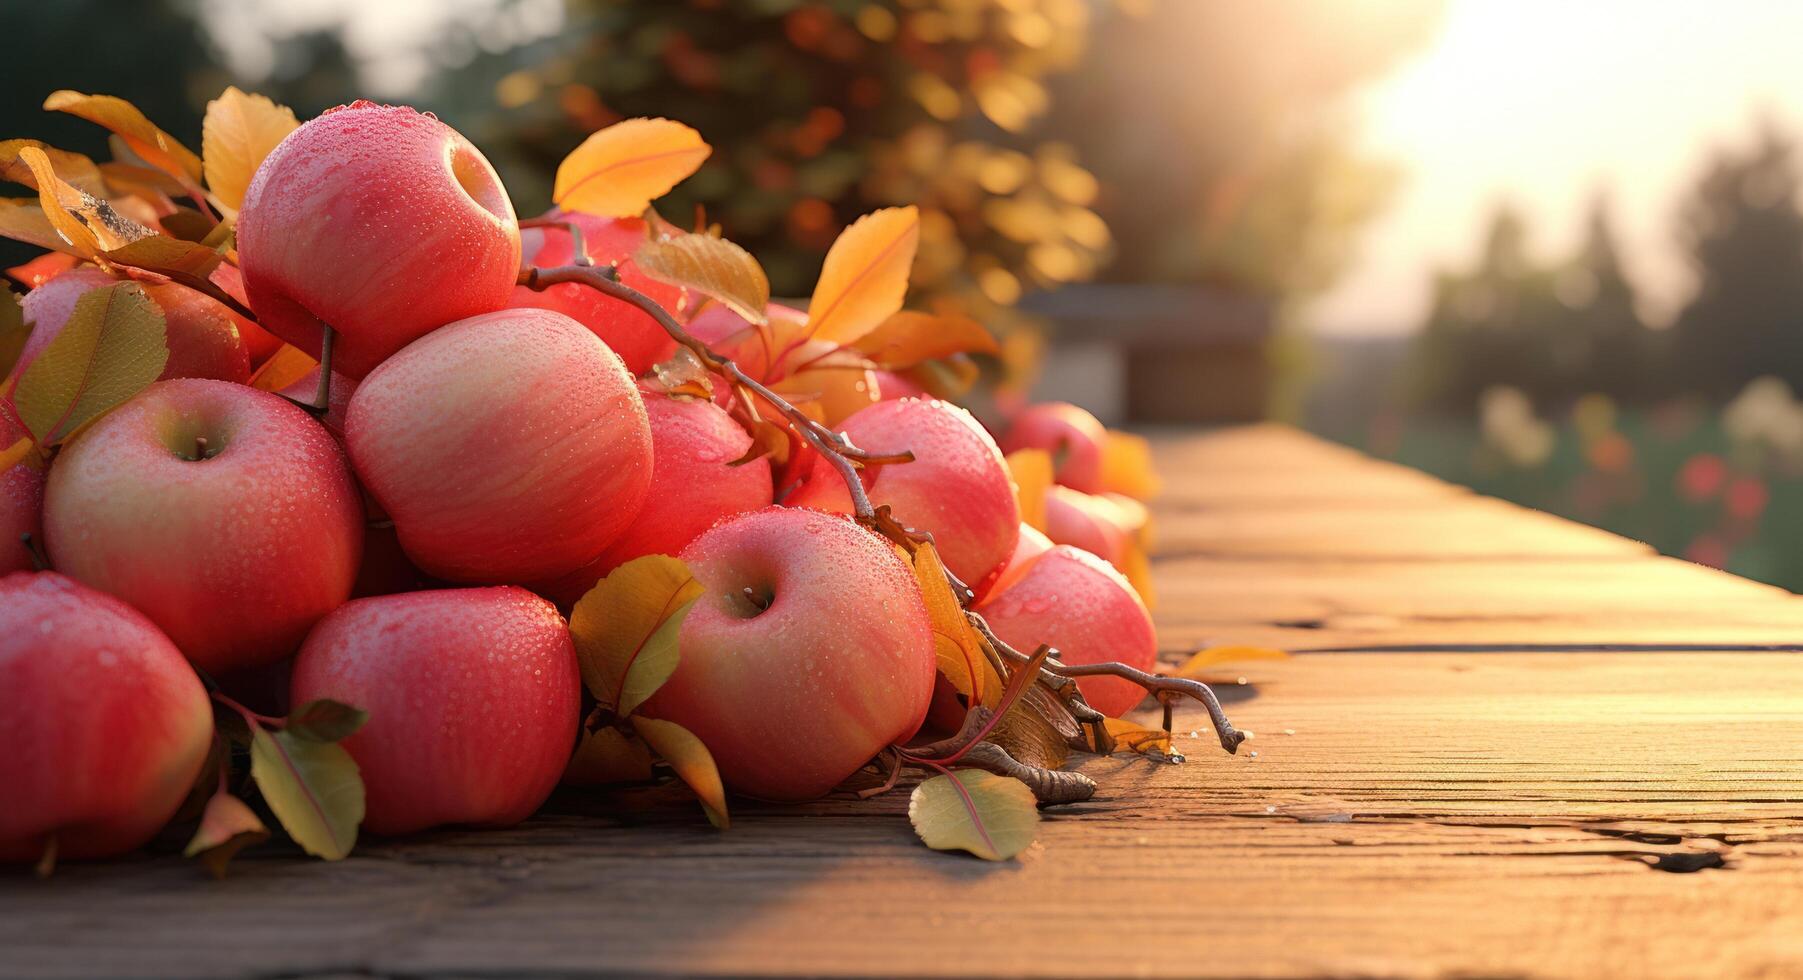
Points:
201	333
1079	604
808	652
693	487
1096	523
338	400
509	447
261	344
1072	435
105	725
379	222
631	332
225	514
21	504
957	486
473	698
1027	550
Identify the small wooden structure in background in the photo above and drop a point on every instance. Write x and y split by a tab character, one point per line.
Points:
1157	353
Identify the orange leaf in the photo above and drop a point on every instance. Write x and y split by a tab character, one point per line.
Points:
15	454
1138	738
226	827
1127	466
79	171
239	131
286	366
956	643
88	224
711	266
693	763
151	144
607	756
910	337
1215	656
626	629
619	171
1031	470
865	276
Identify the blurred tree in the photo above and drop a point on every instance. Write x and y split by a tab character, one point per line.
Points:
1222	129
1598	340
821	111
1744	232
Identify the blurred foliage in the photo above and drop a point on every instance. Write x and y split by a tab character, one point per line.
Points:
819	112
1223	131
1558	330
1720	487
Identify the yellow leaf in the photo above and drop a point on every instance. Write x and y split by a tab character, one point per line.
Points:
82	173
14	454
14	331
910	337
111	348
993	817
626	629
1031	470
693	763
619	171
239	131
956	643
166	255
286	366
1127	466
151	144
226	827
1215	656
607	756
87	223
1137	738
711	266
865	276
23	220
314	788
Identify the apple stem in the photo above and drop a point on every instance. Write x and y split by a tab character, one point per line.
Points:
578	243
200	447
39	562
848	459
322	396
46	865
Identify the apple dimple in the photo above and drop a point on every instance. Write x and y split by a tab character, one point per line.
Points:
478	180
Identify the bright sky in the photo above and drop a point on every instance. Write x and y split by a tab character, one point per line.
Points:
1543	102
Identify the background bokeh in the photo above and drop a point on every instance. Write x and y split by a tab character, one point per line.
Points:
1554	253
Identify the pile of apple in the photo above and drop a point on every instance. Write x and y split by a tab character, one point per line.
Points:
375	555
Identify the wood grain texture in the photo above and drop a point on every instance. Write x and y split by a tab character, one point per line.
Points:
1546	811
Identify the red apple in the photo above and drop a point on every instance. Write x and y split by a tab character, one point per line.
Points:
473	698
1027	550
809	651
225	514
1079	604
1095	523
202	334
380	222
508	447
338	398
105	726
21	504
957	487
891	386
1070	434
630	331
693	487
261	343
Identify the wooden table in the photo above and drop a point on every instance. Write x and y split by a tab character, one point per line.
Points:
1511	746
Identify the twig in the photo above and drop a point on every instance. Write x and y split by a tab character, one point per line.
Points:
848	459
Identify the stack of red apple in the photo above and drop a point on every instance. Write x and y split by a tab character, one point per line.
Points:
404	528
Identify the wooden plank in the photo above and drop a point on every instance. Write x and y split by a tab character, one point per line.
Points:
1406	813
1430	814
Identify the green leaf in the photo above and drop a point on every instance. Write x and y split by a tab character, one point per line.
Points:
111	348
13	331
227	827
313	787
993	817
625	629
693	763
325	720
